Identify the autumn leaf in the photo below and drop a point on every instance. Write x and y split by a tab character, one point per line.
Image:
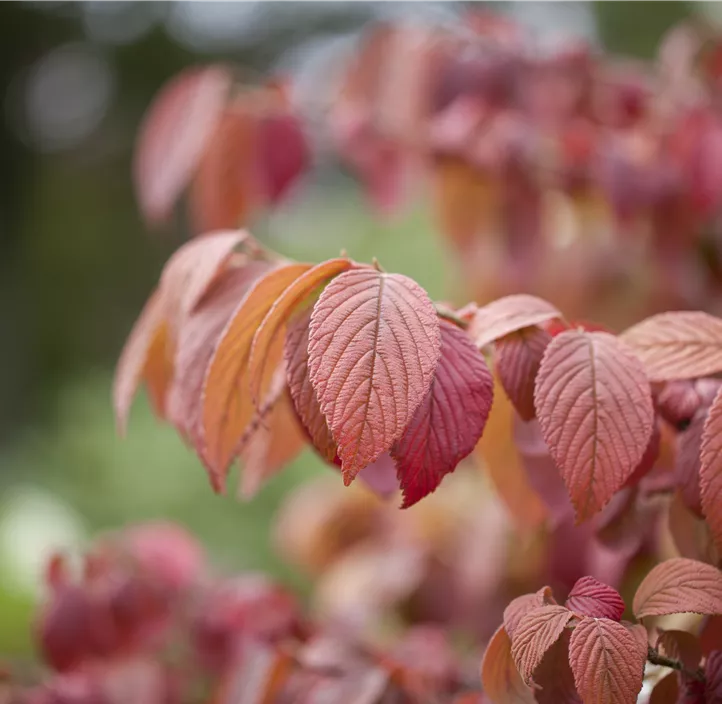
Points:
449	422
682	646
553	678
517	359
499	675
677	345
595	410
522	605
713	677
687	468
607	662
666	691
174	135
274	324
225	189
537	631
509	314
227	404
677	586
590	597
677	402
302	392
710	473
691	534
374	344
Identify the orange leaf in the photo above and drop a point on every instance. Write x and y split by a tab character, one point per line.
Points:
499	676
227	404
274	324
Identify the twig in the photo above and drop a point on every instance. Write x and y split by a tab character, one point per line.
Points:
656	658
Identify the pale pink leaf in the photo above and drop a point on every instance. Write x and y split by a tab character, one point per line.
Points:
517	359
677	586
380	476
173	136
451	419
537	631
507	315
590	597
499	675
678	345
374	344
710	475
595	410
607	661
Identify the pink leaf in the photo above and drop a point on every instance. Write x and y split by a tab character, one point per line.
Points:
687	462
537	631
374	344
449	422
677	586
677	402
710	473
174	135
607	662
380	476
499	675
595	411
553	678
522	605
590	597
508	315
517	360
678	345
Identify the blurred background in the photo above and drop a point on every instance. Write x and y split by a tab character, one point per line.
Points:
76	262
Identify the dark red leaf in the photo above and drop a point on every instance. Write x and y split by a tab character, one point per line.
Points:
590	597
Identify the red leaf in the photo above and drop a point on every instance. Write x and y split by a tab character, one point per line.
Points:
710	473
302	392
283	154
607	662
537	631
590	597
665	691
227	404
713	676
174	135
274	323
595	411
374	344
508	315
197	340
225	190
449	422
554	678
710	634
687	462
522	605
678	345
682	646
499	675
517	360
677	586
677	402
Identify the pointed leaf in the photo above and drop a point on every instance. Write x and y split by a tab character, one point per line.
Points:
499	675
277	441
678	345
225	190
451	419
522	605
553	679
143	357
227	404
536	633
174	135
374	344
607	662
682	646
508	315
517	360
274	324
302	392
677	586
595	411
711	470
197	341
590	597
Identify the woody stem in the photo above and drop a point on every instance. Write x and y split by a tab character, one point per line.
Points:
656	658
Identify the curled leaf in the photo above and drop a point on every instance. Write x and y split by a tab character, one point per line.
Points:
596	415
449	422
607	662
499	675
678	586
678	345
374	344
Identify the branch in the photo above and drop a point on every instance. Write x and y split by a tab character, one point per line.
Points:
656	658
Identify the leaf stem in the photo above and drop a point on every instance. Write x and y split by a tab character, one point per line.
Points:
656	658
449	315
